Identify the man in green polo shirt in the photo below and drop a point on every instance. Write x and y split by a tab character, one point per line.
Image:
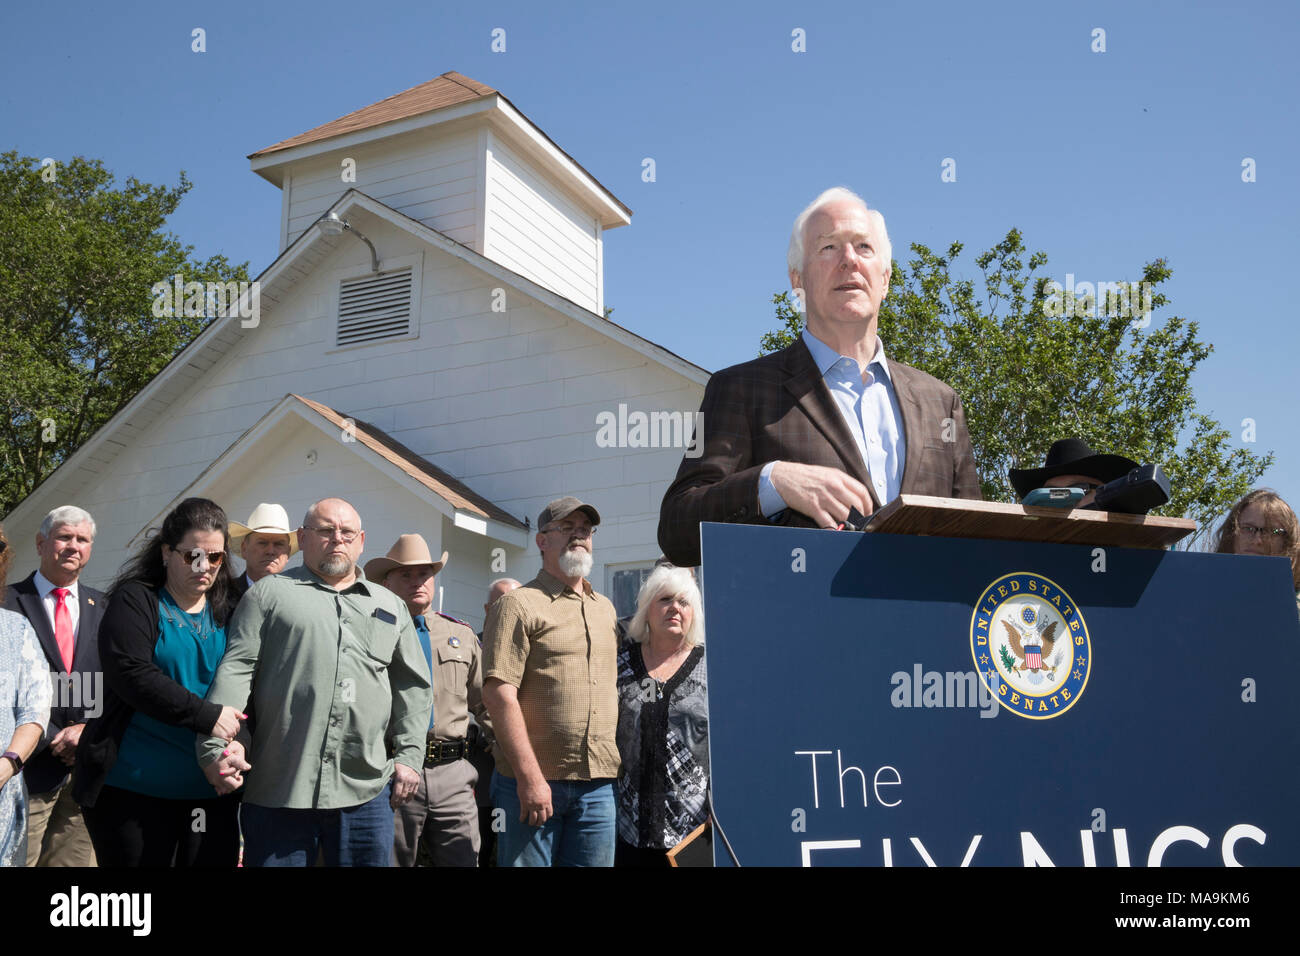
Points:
342	701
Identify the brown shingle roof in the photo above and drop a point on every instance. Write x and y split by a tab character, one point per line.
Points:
422	470
446	90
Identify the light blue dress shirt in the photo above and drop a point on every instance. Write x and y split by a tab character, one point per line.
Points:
870	409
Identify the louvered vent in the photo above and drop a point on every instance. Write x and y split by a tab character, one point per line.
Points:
375	308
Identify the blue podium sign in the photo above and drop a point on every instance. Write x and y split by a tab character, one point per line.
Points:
879	699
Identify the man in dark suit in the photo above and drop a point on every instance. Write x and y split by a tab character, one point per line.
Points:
65	615
803	435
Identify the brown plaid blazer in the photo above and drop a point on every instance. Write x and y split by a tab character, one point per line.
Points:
777	408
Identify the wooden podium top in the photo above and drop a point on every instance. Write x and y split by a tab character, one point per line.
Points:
961	518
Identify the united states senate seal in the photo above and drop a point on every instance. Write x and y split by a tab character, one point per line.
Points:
1031	645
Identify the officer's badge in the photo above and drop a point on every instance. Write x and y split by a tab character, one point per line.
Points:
454	641
1031	645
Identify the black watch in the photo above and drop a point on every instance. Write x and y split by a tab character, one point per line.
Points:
18	761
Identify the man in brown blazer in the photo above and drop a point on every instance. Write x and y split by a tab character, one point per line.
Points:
801	436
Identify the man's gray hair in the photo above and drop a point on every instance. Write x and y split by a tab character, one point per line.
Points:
493	586
795	256
678	582
66	514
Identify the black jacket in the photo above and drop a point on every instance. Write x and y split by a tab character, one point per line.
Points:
238	588
132	681
73	700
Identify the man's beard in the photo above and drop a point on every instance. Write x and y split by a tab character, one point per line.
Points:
336	565
576	563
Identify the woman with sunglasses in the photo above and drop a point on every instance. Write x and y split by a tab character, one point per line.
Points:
145	799
1262	523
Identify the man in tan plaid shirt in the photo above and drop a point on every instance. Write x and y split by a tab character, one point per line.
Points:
550	675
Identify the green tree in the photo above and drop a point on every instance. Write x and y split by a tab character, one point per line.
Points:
78	335
1033	365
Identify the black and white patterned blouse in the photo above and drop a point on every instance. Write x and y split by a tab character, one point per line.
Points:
663	732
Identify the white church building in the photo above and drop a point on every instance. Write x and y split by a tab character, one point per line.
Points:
451	383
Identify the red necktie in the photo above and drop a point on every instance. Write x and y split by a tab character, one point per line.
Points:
63	628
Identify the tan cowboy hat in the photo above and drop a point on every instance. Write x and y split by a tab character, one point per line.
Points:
410	550
266	519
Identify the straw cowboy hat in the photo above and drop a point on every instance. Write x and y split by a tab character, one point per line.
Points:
410	550
266	519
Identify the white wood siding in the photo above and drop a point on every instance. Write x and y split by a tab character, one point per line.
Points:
538	231
430	178
505	401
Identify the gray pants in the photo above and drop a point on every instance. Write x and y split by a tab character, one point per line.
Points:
444	812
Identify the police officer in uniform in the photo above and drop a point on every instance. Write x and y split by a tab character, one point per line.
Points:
443	810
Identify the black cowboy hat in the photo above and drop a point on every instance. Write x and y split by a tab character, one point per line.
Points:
1070	456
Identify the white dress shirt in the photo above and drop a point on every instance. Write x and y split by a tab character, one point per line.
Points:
45	588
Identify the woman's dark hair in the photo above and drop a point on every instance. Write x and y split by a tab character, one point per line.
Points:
147	568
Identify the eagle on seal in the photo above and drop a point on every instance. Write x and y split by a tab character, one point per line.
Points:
1032	658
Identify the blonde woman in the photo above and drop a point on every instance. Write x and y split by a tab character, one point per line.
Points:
663	721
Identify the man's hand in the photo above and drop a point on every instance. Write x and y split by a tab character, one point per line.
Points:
823	494
534	801
226	773
64	744
534	792
227	724
405	782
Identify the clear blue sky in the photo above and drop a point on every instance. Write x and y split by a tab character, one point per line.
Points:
1103	160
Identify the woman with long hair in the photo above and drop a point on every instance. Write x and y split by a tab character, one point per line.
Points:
1262	523
145	799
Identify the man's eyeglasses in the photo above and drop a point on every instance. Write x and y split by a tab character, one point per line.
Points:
1254	531
195	555
571	530
328	534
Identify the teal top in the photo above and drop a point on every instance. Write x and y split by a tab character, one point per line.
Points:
156	758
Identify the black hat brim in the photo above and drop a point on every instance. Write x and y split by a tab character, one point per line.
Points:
1103	468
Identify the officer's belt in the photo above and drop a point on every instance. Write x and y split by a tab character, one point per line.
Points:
444	751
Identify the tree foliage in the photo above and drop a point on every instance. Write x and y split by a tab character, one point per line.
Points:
1028	377
78	337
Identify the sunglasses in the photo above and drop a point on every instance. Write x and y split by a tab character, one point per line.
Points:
194	555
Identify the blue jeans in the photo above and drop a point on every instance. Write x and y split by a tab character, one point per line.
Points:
581	832
353	836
